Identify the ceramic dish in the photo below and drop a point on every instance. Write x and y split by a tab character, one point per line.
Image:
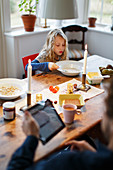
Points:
94	77
11	88
70	68
71	99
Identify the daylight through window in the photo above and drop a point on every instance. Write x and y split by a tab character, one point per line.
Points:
102	10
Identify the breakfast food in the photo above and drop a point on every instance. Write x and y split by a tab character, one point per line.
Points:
108	70
94	77
109	66
54	89
76	99
55	102
69	88
93	74
75	86
38	97
72	101
50	88
9	90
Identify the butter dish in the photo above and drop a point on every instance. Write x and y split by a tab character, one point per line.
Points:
76	99
94	77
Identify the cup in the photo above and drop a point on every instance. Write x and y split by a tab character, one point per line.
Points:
69	111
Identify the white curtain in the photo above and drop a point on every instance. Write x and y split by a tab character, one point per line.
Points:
86	11
83	9
3	67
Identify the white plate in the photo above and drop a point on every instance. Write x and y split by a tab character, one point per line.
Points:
17	83
70	68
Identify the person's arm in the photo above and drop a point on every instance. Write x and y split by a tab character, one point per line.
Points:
23	157
39	66
80	145
45	66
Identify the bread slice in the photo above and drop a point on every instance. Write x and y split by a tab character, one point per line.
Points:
72	101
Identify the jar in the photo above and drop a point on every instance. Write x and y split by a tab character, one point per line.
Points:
9	111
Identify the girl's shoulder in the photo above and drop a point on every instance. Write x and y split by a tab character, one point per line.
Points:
43	56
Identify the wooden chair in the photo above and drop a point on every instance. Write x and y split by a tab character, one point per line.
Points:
25	61
76	51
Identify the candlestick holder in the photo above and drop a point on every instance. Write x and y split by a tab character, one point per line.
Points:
23	108
28	98
83	86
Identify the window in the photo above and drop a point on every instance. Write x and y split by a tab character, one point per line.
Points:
12	16
15	14
102	10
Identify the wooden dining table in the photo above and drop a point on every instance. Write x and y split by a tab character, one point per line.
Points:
12	136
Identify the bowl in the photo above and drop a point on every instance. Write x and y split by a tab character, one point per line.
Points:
11	88
70	68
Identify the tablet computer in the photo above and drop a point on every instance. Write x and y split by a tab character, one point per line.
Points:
48	119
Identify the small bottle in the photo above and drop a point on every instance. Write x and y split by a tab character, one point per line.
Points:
9	111
38	97
69	88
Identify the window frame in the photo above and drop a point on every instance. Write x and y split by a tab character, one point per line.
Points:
7	19
99	22
82	20
5	14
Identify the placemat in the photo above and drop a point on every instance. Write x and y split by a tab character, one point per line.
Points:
47	94
93	91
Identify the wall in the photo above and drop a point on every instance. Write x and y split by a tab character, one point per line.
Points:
100	43
19	46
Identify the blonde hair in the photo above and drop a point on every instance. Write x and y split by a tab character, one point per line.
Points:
49	44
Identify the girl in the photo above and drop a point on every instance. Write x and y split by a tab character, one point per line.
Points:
55	49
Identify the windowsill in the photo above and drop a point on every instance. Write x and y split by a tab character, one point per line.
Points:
22	32
100	28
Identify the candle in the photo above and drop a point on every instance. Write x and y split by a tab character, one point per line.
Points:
29	75
85	59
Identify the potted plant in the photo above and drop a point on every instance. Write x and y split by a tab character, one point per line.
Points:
29	19
92	21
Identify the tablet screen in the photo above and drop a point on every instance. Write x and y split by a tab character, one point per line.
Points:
48	119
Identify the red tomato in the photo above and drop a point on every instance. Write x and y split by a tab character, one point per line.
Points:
55	102
51	88
57	88
54	90
75	86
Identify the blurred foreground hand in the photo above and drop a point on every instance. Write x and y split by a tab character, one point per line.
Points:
29	125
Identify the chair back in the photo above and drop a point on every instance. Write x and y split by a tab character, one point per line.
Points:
76	40
25	61
76	28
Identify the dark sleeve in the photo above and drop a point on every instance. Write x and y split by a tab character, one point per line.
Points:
23	156
39	66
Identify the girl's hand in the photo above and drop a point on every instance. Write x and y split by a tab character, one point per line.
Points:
52	66
80	145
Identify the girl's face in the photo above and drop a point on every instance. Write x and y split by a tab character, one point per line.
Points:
59	45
